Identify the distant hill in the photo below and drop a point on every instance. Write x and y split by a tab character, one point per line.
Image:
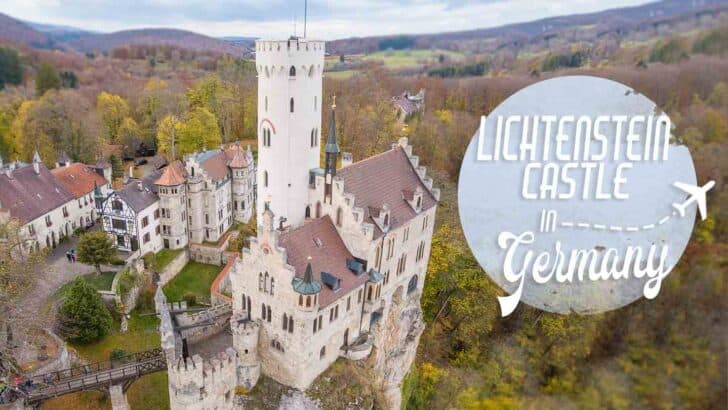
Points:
19	32
615	21
155	36
59	33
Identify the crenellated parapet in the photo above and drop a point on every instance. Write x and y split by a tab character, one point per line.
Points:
198	384
245	341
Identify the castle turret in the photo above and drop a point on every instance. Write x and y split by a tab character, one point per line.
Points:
332	155
63	160
289	118
308	290
242	170
36	162
173	206
245	343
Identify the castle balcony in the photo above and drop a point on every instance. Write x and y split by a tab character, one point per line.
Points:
359	349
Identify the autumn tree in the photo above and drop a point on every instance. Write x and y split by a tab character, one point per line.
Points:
112	109
46	78
167	136
129	135
96	249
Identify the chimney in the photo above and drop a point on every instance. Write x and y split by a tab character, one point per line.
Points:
346	159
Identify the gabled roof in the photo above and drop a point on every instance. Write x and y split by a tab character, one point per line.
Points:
28	195
319	240
140	199
172	175
214	162
79	179
380	180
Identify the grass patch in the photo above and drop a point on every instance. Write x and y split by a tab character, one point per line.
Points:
341	75
99	282
194	279
158	261
399	59
149	392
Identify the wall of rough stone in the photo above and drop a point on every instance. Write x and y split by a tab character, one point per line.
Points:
173	268
196	385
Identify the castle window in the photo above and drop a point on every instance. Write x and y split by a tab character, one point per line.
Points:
265	179
266	103
331	315
265	287
285	321
269	314
291	104
378	256
323	352
272	284
348	303
260	281
339	216
308	211
116	205
262	311
358	297
300	300
320	322
315	325
292	71
193	171
412	285
308	301
318	209
386	220
290	324
369	293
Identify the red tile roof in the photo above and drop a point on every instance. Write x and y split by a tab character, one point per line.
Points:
216	165
319	239
78	179
174	174
383	179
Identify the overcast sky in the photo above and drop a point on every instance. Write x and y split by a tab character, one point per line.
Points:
274	18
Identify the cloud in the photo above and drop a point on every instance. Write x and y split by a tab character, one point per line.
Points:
327	19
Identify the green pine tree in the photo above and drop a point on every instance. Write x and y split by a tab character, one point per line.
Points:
46	78
83	316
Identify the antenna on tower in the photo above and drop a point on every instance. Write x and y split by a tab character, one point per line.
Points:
305	16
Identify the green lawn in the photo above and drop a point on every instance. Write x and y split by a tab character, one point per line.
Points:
161	259
195	278
149	392
399	59
99	282
341	75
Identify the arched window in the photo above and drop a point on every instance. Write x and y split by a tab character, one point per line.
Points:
322	353
412	285
386	220
369	294
193	171
419	202
265	179
260	281
262	310
269	315
308	301
290	324
300	300
308	211
285	321
339	216
292	71
291	104
272	284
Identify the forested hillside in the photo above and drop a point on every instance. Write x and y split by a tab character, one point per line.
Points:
650	354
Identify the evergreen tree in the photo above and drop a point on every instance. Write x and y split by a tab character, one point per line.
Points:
46	78
83	316
10	70
117	168
96	248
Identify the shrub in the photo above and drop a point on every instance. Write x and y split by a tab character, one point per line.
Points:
83	316
190	298
117	354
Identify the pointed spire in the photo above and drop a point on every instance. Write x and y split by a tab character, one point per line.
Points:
308	275
331	145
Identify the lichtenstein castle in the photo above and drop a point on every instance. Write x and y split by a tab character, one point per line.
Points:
339	260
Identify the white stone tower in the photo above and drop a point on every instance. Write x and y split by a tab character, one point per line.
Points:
289	124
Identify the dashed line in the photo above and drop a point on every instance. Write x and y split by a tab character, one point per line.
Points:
616	228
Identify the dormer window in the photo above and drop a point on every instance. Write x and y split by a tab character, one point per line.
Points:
414	198
381	217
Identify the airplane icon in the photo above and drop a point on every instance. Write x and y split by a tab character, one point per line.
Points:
697	194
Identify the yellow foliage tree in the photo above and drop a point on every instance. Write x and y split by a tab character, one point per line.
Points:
112	110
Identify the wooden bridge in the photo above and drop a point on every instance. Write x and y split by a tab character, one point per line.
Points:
102	375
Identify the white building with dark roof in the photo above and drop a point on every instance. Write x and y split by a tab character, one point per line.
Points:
338	251
51	205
